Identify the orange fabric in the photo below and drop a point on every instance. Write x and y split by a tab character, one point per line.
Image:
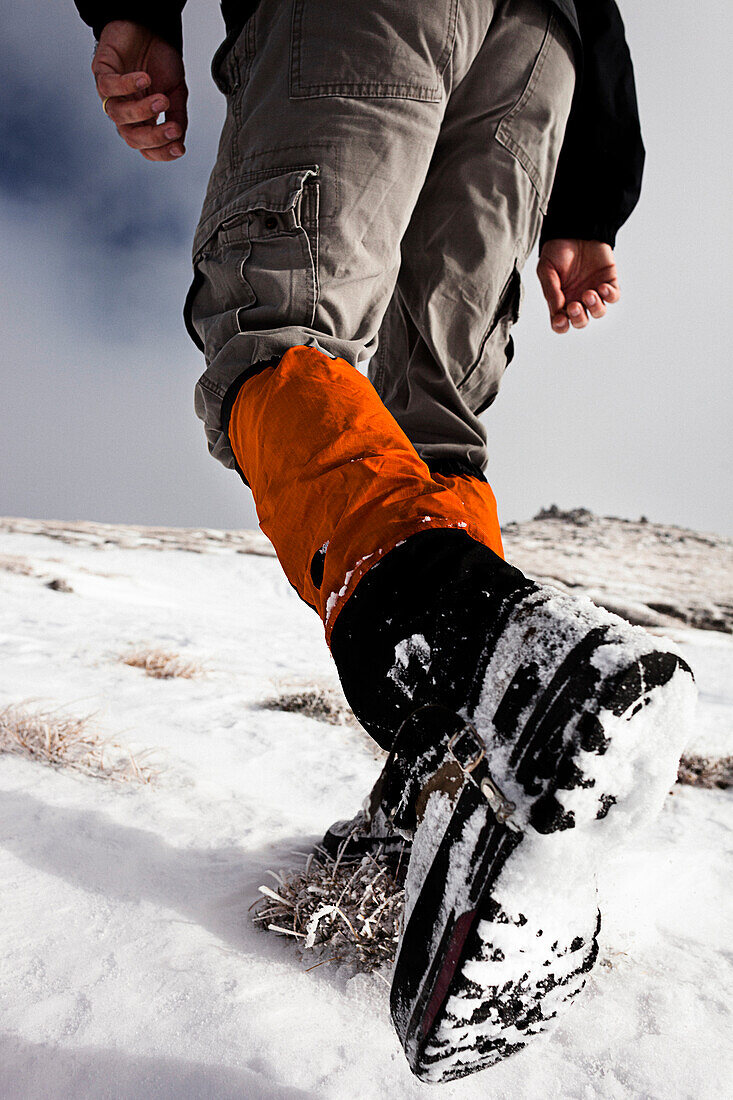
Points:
480	505
330	468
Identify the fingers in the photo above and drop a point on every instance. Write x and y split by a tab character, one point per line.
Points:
151	138
176	115
135	120
590	304
574	314
577	315
128	112
609	292
551	287
164	153
119	84
593	304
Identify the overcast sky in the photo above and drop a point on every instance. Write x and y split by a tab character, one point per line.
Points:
630	417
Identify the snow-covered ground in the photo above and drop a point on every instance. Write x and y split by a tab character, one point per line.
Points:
129	966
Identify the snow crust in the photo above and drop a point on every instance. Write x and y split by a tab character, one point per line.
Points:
129	966
416	648
640	763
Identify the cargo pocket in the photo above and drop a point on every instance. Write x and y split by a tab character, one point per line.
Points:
386	48
480	384
256	261
534	128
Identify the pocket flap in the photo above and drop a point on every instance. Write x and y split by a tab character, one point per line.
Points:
276	193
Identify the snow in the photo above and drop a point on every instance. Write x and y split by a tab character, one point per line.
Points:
129	966
640	762
417	647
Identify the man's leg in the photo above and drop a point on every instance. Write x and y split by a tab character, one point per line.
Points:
325	151
445	341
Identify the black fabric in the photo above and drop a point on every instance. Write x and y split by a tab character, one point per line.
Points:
447	593
233	393
569	9
600	169
599	173
318	564
161	16
196	284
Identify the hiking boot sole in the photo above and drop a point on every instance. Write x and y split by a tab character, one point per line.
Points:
501	923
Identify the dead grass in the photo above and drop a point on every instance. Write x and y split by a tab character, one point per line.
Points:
339	910
64	741
314	702
14	563
21	567
163	665
706	771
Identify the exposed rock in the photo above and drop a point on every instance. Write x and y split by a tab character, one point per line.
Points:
58	584
654	575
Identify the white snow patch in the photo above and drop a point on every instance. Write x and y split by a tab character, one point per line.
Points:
417	647
334	597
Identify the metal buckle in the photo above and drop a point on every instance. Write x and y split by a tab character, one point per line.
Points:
500	804
475	760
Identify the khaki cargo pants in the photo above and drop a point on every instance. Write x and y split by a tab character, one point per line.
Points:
381	178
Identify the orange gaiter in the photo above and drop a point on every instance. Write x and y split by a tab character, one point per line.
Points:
336	482
479	504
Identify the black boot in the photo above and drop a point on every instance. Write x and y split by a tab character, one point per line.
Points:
530	733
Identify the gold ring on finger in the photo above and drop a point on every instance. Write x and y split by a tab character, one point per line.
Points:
104	104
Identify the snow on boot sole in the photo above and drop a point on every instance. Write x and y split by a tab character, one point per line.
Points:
583	720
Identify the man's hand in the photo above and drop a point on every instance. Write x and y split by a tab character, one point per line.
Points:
578	278
142	76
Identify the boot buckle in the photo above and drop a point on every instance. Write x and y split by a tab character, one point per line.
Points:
478	756
501	806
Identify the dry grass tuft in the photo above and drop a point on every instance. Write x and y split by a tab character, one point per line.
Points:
337	910
14	563
162	665
706	771
314	702
64	741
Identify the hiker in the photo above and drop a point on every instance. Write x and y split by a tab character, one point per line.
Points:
384	172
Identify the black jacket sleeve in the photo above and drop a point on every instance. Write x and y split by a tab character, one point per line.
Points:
599	172
161	16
